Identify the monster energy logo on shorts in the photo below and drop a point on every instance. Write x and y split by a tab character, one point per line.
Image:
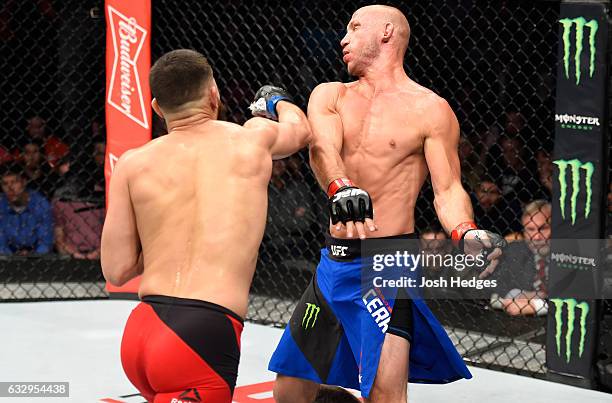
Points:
580	23
572	305
312	312
575	166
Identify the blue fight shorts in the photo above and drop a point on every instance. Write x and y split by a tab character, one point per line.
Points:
333	339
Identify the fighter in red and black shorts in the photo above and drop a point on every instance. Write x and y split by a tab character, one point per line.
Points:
177	349
187	213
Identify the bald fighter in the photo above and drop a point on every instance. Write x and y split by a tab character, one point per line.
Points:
374	142
187	211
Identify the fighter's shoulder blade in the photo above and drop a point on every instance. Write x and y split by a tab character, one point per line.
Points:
140	156
127	158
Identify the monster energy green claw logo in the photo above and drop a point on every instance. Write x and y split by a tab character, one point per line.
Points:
575	166
571	304
312	312
580	23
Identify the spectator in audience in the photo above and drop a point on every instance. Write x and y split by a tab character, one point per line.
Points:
26	221
83	180
99	152
5	155
508	164
494	211
66	183
78	228
545	170
92	172
516	179
514	236
434	242
52	146
523	270
96	129
493	136
35	168
78	206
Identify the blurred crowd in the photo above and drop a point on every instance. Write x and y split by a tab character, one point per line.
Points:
52	197
52	202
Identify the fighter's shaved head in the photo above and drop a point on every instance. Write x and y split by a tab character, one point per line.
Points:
388	15
376	35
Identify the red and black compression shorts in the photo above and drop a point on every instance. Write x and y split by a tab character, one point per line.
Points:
182	349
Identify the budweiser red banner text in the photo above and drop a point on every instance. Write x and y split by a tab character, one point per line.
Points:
128	97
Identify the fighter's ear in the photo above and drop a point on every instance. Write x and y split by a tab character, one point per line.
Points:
156	108
388	32
214	96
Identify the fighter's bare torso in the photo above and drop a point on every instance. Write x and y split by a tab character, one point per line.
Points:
382	148
200	200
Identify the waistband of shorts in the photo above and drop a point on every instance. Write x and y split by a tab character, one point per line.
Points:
349	249
188	302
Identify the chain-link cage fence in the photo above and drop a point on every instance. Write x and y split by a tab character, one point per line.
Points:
495	63
52	149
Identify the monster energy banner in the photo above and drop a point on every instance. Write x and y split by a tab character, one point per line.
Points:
579	176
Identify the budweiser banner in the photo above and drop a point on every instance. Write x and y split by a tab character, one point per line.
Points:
579	179
128	97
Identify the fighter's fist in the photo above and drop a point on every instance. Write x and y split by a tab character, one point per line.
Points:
487	244
266	99
350	204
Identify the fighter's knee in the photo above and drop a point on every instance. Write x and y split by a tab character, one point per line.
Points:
382	394
281	391
284	391
292	390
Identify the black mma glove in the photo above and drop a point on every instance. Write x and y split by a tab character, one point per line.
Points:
347	202
266	99
477	239
474	241
481	236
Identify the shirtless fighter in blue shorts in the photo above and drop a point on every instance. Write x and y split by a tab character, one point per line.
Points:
374	142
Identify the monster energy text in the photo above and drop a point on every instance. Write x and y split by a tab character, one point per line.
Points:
577	122
310	316
576	166
571	305
569	261
579	23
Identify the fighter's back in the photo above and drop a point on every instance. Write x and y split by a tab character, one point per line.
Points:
187	212
200	201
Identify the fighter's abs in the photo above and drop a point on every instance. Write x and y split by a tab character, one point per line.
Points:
383	153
